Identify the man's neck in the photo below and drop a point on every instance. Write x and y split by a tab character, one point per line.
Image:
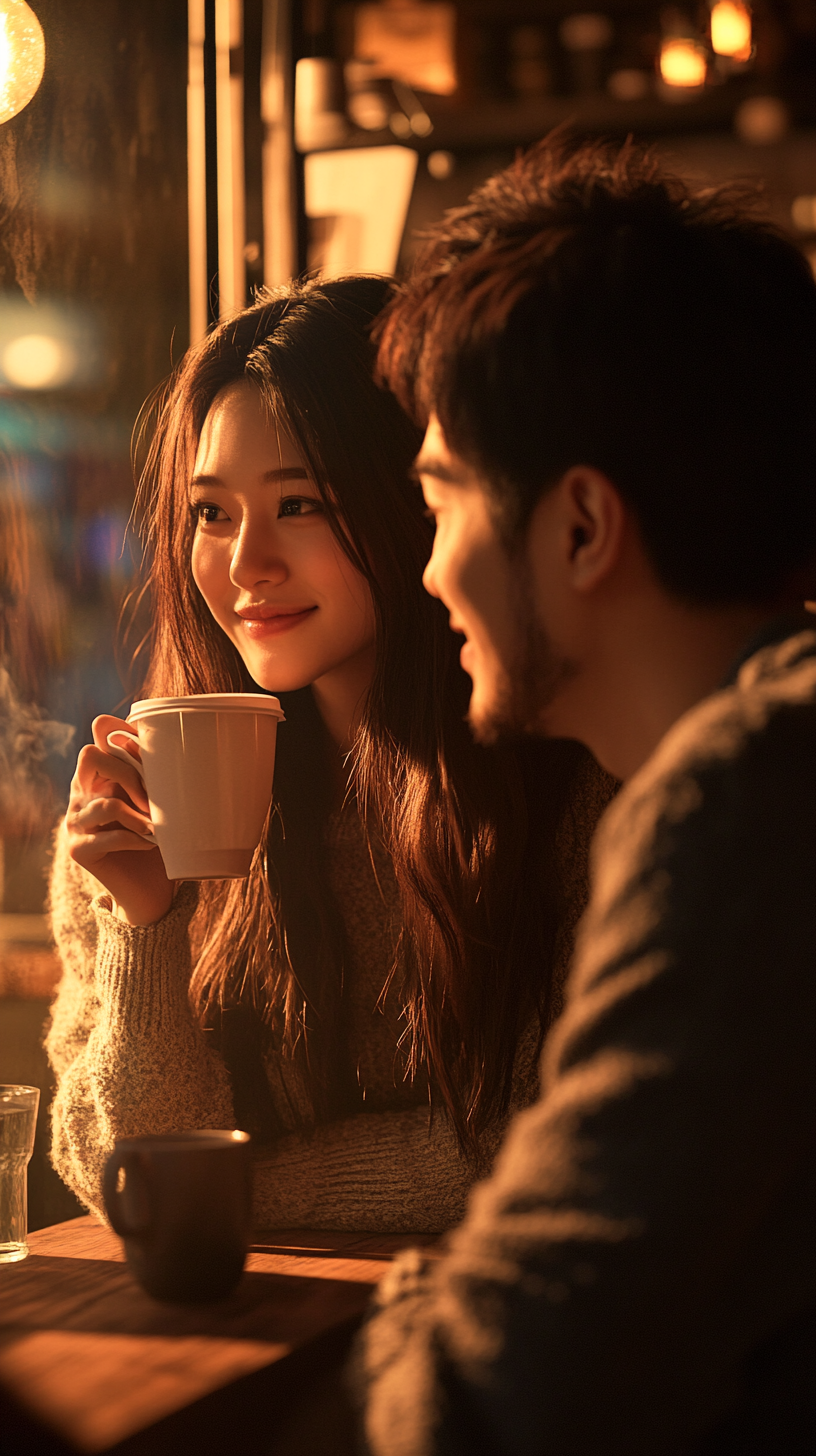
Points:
649	664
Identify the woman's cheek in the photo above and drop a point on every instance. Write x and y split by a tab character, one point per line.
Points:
201	566
207	572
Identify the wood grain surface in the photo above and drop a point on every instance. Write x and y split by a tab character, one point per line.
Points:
87	1352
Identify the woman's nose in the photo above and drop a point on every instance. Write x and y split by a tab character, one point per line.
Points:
257	558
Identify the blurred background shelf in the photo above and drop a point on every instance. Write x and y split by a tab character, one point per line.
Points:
519	123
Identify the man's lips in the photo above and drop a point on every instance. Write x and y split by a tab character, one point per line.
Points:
269	621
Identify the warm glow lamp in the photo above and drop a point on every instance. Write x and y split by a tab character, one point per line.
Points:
22	56
682	62
731	29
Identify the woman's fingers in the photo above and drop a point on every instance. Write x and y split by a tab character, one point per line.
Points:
104	725
107	821
88	849
104	827
96	769
106	815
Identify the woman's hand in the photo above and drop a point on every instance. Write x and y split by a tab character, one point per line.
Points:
107	816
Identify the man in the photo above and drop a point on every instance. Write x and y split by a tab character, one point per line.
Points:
617	375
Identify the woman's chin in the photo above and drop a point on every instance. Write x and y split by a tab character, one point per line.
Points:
281	682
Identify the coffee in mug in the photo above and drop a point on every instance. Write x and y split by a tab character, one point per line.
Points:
207	763
182	1203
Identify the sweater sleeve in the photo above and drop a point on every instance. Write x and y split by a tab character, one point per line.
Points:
646	1234
128	1055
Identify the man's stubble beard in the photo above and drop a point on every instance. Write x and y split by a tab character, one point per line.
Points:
532	680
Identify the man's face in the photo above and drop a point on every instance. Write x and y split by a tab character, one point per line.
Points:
488	593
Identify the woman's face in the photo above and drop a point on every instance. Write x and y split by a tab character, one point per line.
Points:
265	558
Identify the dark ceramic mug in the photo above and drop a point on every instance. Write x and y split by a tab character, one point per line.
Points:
182	1202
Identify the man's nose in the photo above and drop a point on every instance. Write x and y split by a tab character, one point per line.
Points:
429	577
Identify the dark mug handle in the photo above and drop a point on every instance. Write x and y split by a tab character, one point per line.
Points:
130	1162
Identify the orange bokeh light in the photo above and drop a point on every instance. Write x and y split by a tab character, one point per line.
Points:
731	30
682	62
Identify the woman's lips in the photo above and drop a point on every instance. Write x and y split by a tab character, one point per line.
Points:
275	624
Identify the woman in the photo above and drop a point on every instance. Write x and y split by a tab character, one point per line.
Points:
369	1004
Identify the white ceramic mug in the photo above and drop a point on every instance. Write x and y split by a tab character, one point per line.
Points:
207	764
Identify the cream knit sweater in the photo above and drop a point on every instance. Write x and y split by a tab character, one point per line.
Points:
130	1056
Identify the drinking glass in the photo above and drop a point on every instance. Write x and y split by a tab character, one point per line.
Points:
18	1120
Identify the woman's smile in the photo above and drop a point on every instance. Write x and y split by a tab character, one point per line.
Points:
271	621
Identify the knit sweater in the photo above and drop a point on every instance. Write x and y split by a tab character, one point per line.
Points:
130	1057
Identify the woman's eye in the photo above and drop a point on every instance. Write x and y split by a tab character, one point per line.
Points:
299	505
206	514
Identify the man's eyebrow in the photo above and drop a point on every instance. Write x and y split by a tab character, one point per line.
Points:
288	472
439	469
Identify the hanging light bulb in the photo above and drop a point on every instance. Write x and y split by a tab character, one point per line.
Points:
22	56
682	62
731	29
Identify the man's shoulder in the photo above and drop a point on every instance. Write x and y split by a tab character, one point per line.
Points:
782	672
703	867
774	688
740	763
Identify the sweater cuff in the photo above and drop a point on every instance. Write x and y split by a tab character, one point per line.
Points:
143	971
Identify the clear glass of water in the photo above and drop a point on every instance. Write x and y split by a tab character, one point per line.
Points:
18	1120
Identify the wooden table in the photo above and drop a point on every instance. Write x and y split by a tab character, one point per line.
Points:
107	1368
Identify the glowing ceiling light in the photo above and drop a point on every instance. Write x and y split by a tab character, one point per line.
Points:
731	29
22	56
682	62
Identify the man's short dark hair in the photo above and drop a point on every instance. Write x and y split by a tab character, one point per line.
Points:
587	307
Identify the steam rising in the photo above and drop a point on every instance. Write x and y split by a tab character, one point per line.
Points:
26	740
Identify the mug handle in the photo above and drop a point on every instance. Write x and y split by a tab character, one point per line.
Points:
118	751
129	1161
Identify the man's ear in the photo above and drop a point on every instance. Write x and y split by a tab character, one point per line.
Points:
593	524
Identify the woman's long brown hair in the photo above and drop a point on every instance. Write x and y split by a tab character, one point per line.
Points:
471	831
